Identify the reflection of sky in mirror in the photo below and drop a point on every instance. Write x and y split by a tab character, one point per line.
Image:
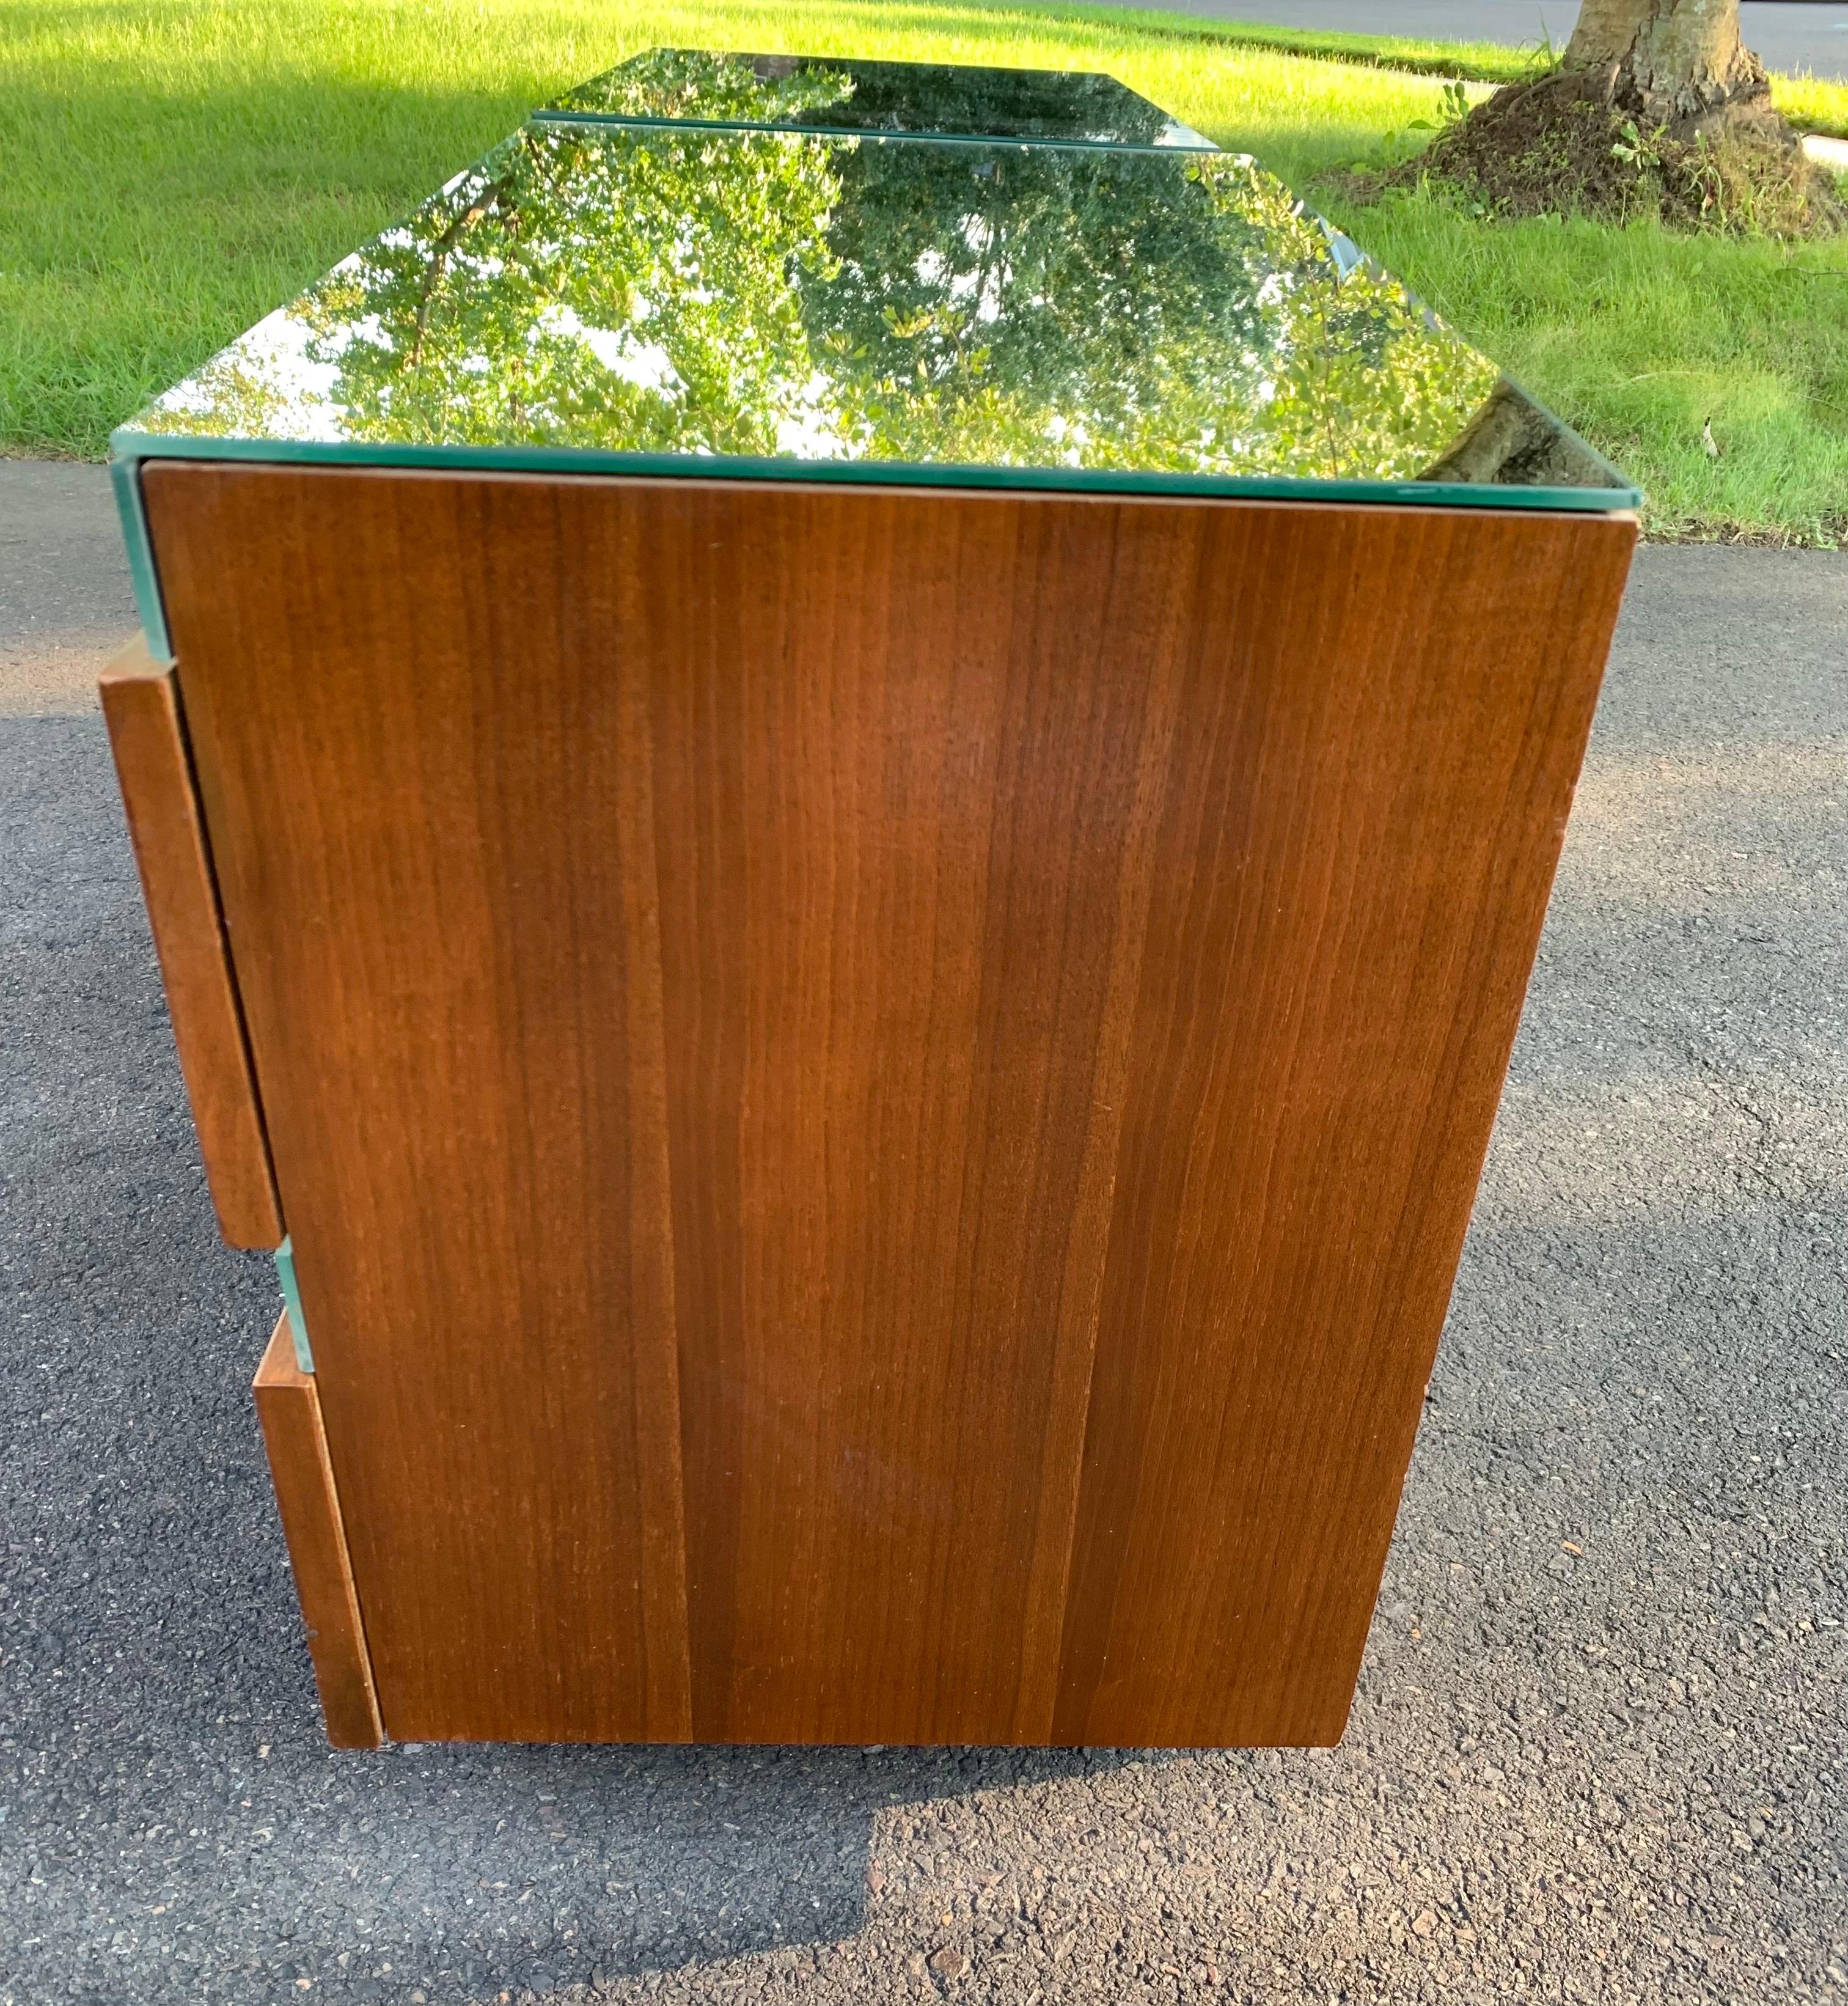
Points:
682	293
844	94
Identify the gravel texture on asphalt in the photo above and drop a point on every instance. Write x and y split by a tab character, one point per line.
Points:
1600	1747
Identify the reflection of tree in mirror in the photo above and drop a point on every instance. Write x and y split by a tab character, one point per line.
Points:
674	290
635	292
568	291
696	83
874	96
1097	308
1363	382
1035	304
243	392
916	97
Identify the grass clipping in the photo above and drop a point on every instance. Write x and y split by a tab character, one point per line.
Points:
1566	144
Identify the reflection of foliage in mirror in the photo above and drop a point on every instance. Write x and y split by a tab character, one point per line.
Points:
874	96
1029	306
1036	305
674	290
241	393
1363	382
696	83
636	295
906	97
633	294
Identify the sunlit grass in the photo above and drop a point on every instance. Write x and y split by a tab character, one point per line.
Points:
176	170
1642	339
1818	105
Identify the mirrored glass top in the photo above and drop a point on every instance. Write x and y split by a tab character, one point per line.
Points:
843	94
683	300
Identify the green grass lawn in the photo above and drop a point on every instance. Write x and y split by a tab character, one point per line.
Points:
178	169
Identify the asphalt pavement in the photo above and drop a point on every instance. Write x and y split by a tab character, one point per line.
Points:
1793	36
1600	1747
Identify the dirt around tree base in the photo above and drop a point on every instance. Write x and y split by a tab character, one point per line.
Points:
1570	143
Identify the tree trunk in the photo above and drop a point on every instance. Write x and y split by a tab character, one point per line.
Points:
1680	62
1656	108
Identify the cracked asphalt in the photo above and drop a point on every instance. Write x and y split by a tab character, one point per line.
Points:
1600	1747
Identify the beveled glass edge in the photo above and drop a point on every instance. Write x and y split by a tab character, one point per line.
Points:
291	1293
127	444
547	115
124	478
554	114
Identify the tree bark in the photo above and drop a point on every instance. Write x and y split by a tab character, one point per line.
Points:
1656	107
1679	61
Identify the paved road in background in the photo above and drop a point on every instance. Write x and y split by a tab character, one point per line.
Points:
1600	1748
1789	35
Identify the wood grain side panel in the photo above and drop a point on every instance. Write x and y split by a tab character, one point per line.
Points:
901	755
141	706
432	808
1387	714
877	1092
719	1048
310	1508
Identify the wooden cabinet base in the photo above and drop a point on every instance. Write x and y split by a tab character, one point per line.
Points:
877	1091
